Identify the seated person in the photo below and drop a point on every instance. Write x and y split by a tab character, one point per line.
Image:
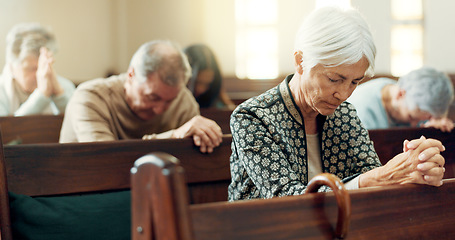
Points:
287	135
149	101
206	81
29	83
421	95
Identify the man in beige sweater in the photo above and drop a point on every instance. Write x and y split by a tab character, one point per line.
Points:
149	101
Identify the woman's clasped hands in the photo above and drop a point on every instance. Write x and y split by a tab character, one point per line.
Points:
420	162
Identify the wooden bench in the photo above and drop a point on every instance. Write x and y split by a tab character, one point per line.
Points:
46	128
62	169
48	170
161	210
394	212
31	129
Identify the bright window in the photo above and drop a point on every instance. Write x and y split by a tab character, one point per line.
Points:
256	39
257	36
340	3
407	36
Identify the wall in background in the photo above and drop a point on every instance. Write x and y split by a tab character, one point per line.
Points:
100	36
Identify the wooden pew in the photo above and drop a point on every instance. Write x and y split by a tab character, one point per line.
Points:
31	129
389	142
44	169
220	116
160	208
393	212
79	168
41	169
46	128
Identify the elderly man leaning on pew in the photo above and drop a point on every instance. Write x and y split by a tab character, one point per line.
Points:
149	101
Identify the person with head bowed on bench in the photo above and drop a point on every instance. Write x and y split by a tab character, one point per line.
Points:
150	101
287	135
29	84
420	98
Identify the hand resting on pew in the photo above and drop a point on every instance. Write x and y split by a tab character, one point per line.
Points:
444	124
205	132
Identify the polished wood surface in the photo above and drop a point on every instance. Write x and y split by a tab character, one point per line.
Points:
161	211
52	169
341	196
404	212
220	116
5	218
31	129
78	168
394	212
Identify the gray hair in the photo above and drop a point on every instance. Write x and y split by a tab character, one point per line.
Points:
429	89
26	39
164	57
332	36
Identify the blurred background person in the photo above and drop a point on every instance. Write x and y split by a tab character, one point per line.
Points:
420	98
29	83
206	80
149	101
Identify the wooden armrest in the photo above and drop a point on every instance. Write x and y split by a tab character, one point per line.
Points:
342	197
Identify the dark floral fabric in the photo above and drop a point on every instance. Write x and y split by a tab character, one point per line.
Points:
269	152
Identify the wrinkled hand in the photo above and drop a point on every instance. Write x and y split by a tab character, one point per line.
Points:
205	132
420	162
45	75
444	124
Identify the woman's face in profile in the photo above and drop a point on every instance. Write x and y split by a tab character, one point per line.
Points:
203	81
325	88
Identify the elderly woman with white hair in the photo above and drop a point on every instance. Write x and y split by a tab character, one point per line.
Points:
29	83
421	95
302	127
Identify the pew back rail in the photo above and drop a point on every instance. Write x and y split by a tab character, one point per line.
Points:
31	129
161	209
78	168
393	212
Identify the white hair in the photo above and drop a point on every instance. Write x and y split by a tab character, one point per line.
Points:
332	36
164	57
26	39
429	89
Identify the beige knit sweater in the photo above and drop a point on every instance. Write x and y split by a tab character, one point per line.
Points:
98	111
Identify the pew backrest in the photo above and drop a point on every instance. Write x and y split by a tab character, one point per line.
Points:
220	116
79	168
161	210
46	128
31	129
53	169
394	212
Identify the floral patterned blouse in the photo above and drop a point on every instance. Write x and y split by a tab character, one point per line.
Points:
269	152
